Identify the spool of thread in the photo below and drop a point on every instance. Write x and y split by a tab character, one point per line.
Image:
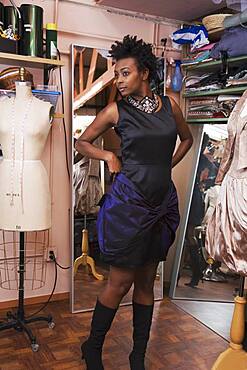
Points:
51	41
31	42
11	19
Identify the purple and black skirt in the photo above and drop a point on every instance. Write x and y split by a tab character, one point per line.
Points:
131	231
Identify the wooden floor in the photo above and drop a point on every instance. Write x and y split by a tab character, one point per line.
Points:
178	341
87	289
217	316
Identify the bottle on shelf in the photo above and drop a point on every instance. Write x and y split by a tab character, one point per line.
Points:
177	78
51	41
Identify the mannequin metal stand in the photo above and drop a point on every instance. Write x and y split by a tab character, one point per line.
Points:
17	320
235	358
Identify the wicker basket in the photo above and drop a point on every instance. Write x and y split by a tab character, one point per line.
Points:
214	21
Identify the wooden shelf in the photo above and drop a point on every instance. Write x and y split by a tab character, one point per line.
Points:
205	120
230	90
213	63
33	62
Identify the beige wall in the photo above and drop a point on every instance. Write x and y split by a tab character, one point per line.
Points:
84	25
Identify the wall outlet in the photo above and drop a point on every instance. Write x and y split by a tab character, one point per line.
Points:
49	250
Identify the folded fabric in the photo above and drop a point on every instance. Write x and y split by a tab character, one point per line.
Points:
210	108
206	47
191	80
233	41
215	86
197	36
200	57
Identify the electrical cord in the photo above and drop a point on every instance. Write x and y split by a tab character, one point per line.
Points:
46	304
53	259
62	267
63	110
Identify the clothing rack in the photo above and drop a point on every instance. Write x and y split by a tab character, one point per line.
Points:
17	320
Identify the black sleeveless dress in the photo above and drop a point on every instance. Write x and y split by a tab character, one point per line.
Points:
147	145
139	216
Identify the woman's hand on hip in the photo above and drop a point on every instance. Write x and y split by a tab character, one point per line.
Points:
113	163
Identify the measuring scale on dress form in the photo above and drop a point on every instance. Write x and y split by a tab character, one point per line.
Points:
25	200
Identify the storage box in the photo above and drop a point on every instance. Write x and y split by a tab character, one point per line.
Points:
8	46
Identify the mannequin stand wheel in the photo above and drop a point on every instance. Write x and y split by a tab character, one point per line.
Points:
235	357
17	320
85	259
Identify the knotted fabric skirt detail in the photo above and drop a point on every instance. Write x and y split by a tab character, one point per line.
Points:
131	231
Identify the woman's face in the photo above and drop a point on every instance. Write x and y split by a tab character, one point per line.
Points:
129	79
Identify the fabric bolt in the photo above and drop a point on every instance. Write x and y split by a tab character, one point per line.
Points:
226	237
139	216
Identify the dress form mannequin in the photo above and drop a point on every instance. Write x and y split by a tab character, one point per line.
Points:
25	200
24	188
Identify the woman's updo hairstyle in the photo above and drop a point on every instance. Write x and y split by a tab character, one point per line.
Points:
130	47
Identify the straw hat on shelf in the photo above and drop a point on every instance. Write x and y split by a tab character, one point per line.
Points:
214	22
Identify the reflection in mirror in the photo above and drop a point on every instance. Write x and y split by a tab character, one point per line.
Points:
93	88
199	277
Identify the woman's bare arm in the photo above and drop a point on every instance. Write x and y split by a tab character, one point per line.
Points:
183	133
104	120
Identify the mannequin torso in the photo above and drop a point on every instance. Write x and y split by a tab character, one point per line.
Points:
24	189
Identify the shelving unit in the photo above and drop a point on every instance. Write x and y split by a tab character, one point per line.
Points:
28	61
207	120
213	63
231	90
32	62
210	65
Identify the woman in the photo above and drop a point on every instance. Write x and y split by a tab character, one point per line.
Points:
139	216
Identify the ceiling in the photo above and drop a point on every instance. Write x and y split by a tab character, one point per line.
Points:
176	9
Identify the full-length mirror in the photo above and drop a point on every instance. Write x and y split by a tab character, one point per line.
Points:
93	88
196	275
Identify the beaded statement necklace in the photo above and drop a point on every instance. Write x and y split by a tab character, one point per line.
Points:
146	104
13	150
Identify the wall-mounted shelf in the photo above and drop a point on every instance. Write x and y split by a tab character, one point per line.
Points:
230	90
28	61
213	63
207	120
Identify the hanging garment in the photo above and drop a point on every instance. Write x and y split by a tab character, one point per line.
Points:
210	201
87	186
226	237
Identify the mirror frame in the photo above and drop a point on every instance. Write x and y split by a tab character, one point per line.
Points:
72	200
183	227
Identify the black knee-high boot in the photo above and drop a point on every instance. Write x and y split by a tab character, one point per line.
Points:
92	347
142	320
